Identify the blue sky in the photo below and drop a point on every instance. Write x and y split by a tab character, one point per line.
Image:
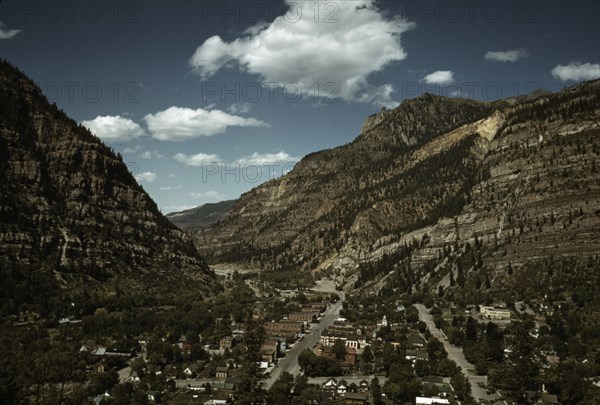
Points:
207	99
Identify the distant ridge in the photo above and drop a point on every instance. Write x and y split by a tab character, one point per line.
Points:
202	216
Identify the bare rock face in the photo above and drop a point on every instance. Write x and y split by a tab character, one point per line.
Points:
72	214
519	175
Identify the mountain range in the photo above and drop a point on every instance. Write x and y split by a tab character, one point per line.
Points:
435	193
517	177
74	222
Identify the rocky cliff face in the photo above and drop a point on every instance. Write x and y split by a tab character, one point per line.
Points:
519	175
72	217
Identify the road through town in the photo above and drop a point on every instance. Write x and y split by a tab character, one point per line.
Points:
289	363
456	354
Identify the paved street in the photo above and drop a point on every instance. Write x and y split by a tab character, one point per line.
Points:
289	363
456	354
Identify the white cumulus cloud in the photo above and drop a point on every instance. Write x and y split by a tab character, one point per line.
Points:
512	55
148	177
440	77
198	159
337	49
261	159
576	71
111	128
6	33
180	123
135	149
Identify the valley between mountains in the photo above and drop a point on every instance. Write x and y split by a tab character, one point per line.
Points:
448	254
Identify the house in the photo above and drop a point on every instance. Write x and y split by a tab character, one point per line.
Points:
495	313
317	307
191	370
547	399
414	355
101	351
267	358
226	343
134	377
222	372
272	344
415	340
382	324
356	398
327	351
346	332
223	394
356	341
306	317
363	385
350	357
216	402
432	400
342	387
237	332
288	329
442	385
330	384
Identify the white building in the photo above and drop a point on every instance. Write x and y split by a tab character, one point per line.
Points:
495	313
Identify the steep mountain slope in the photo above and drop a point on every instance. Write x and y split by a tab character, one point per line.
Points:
433	173
306	215
202	216
73	220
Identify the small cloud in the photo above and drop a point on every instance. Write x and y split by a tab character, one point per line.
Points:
506	56
6	33
131	150
180	124
198	159
261	159
150	155
207	194
148	177
170	188
114	128
576	71
239	108
440	77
